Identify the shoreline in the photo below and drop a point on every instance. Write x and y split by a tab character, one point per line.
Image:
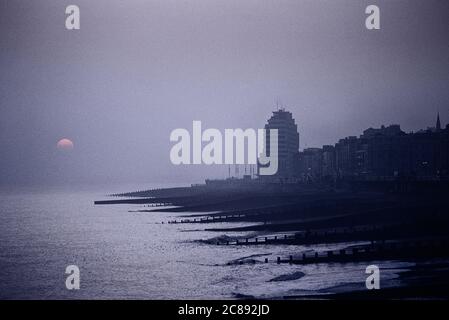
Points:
401	227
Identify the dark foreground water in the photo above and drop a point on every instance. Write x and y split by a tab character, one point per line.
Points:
132	255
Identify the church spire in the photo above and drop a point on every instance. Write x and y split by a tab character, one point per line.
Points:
438	126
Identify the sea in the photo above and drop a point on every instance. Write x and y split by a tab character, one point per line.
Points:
124	254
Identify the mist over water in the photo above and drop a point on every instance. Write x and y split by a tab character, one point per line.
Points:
136	70
129	255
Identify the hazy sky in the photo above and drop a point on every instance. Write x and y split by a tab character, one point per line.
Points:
139	69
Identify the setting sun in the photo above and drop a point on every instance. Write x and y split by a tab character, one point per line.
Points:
65	144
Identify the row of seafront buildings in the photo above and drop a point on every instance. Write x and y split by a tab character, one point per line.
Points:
378	154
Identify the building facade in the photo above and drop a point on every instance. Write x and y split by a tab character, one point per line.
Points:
288	143
381	153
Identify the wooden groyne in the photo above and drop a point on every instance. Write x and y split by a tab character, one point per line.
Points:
356	233
151	201
210	219
158	204
413	250
278	239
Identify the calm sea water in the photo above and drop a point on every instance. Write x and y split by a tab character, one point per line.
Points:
131	255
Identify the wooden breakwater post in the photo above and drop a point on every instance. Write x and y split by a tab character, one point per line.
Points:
290	260
266	260
278	260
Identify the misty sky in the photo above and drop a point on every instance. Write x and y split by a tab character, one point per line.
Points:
139	69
